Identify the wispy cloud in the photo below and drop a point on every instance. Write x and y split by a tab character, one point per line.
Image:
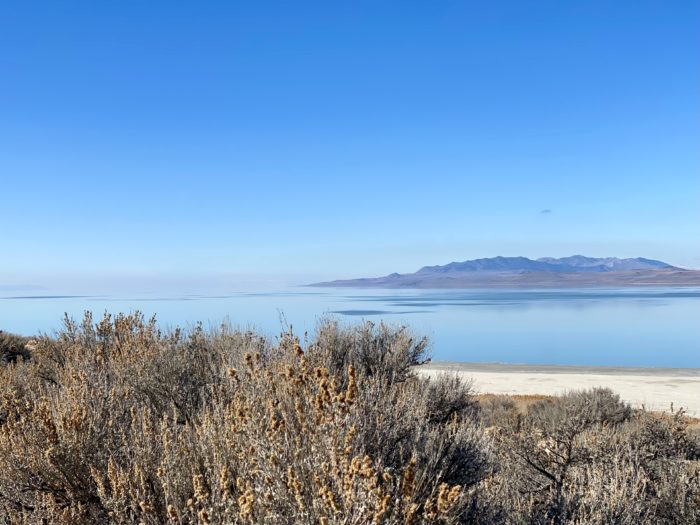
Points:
546	211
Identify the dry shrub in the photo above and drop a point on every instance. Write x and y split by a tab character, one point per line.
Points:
587	458
379	350
115	422
401	418
12	347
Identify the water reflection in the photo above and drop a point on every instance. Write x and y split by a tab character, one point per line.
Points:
629	327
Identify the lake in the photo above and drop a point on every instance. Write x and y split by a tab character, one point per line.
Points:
651	327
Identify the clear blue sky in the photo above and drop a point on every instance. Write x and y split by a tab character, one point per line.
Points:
342	139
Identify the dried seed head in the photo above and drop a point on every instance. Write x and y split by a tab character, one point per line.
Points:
382	510
409	479
298	350
351	392
200	491
245	502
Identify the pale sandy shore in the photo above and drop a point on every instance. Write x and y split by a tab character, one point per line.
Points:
652	388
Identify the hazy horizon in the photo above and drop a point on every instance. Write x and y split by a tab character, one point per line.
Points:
100	283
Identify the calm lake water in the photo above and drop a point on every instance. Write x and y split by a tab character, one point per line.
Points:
642	327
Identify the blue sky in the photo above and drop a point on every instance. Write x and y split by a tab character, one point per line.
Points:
194	140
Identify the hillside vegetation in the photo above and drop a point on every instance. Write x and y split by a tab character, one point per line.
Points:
118	422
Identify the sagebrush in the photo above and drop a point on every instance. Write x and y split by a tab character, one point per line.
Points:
115	421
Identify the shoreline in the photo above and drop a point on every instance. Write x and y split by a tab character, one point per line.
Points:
655	389
505	286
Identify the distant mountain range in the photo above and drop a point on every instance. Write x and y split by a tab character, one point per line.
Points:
573	271
575	263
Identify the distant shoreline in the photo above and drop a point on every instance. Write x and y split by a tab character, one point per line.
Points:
544	280
651	388
501	286
526	368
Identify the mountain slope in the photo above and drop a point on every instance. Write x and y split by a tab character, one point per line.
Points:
573	271
606	264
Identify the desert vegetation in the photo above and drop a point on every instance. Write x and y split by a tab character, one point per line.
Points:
115	421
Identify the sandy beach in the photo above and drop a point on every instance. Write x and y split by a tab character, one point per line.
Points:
652	388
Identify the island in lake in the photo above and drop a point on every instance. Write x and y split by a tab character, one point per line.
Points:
565	272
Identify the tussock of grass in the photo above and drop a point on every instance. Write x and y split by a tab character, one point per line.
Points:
117	422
